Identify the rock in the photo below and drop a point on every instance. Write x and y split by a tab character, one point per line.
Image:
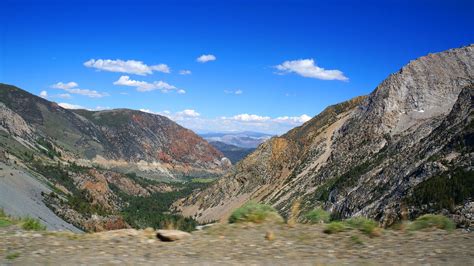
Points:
269	235
171	235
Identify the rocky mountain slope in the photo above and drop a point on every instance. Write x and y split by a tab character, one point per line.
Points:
92	170
121	139
406	149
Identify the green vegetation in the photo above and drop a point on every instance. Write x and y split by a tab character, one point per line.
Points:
79	200
444	191
335	227
32	224
255	213
27	223
432	221
48	149
4	219
366	226
350	177
153	211
356	240
12	256
318	215
203	180
4	222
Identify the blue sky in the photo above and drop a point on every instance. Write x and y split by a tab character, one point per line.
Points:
132	54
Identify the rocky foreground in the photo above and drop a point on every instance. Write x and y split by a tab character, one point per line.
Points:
238	244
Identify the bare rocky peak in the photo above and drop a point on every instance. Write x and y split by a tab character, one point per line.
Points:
425	88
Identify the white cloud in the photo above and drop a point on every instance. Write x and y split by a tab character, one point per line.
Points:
144	86
147	111
236	92
248	118
206	58
293	119
71	87
178	116
65	86
307	68
43	94
188	113
99	108
63	96
76	106
161	68
128	66
185	72
70	106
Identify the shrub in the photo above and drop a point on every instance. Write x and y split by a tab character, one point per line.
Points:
4	219
431	221
32	224
12	256
366	226
335	227
255	213
4	222
318	215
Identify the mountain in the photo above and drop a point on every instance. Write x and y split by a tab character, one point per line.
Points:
404	150
246	139
122	139
231	152
93	171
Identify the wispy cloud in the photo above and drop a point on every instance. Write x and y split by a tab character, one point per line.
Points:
71	87
143	86
206	58
64	86
307	68
178	116
71	106
63	96
247	118
293	119
76	106
188	113
185	72
236	92
126	66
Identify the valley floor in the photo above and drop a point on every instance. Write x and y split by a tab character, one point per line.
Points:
237	244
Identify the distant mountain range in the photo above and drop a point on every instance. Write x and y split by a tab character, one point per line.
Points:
245	139
231	152
402	151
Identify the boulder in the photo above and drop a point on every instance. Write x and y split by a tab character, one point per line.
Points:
171	235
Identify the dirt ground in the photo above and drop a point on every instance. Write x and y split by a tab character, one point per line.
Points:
237	244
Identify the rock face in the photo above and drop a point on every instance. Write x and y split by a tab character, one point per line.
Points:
116	139
372	156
